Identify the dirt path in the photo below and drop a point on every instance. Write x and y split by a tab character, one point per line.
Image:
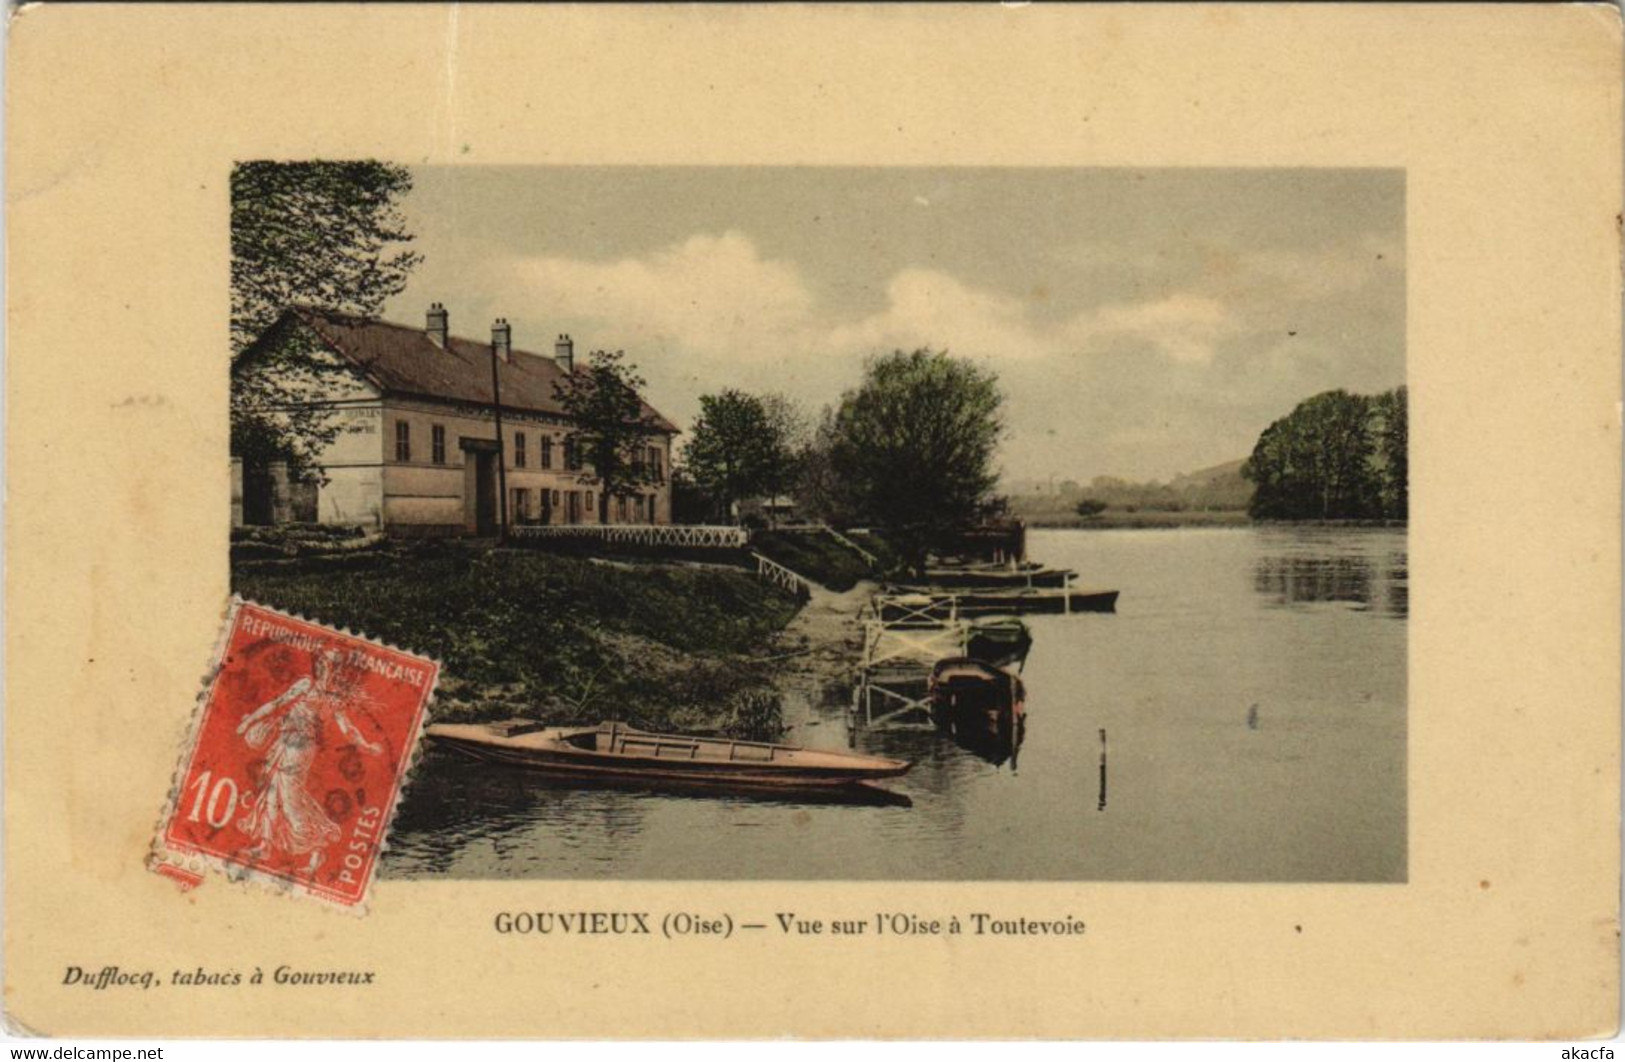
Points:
826	640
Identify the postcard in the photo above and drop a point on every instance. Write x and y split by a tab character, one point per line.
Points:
685	522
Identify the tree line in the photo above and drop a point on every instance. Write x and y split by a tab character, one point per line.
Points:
911	449
1337	456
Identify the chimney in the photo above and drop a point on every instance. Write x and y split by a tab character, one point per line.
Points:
436	329
502	339
564	352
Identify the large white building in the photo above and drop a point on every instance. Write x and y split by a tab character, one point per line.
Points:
417	452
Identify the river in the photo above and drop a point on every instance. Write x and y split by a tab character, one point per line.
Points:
1250	687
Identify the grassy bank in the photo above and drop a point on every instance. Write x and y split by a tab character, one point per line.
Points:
817	555
562	639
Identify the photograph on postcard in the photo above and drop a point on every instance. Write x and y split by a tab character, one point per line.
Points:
942	523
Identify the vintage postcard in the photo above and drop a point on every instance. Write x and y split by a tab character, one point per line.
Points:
949	513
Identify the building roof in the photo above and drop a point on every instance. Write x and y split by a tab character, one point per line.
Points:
405	361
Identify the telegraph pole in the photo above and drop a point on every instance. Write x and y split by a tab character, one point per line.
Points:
502	452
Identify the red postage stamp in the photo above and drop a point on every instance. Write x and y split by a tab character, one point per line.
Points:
297	757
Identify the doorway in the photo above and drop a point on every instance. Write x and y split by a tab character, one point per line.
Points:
479	486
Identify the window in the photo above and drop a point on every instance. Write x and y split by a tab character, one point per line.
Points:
653	498
620	508
403	441
555	497
519	449
519	508
547	451
437	444
637	507
572	454
590	508
654	464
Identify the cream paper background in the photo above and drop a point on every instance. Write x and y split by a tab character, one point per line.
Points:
122	126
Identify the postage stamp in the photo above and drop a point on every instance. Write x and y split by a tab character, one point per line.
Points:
297	757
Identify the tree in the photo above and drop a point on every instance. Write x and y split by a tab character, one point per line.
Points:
744	446
728	451
1317	462
915	445
788	428
1090	507
324	234
610	426
1393	440
820	491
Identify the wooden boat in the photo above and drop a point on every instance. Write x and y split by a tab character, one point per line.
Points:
998	640
975	698
982	602
995	577
617	752
985	602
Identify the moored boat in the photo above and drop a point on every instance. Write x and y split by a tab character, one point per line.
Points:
974	697
617	752
998	640
983	602
997	577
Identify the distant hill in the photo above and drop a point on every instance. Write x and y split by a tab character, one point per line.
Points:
1217	488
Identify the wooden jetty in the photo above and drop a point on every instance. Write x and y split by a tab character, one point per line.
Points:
903	639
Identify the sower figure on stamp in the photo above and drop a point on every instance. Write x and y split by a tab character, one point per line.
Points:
285	816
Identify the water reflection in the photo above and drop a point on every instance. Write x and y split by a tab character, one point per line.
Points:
1311	572
997	746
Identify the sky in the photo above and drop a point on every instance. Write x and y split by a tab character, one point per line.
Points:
1141	323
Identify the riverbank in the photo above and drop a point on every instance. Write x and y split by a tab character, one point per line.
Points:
1115	519
1163	519
558	639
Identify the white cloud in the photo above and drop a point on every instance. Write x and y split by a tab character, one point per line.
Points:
925	307
1185	327
709	293
718	296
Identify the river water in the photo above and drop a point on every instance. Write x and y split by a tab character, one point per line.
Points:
1251	690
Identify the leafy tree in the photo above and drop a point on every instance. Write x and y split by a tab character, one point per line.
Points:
728	452
744	446
610	426
324	234
1317	462
819	489
787	425
1088	507
915	446
1393	440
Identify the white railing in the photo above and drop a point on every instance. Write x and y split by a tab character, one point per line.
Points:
874	562
779	575
886	644
699	536
918	610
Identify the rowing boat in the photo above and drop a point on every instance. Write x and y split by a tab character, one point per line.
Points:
996	578
974	697
923	601
999	640
617	752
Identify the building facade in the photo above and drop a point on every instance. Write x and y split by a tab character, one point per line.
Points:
417	450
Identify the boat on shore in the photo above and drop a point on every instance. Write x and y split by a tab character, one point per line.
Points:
615	752
975	698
